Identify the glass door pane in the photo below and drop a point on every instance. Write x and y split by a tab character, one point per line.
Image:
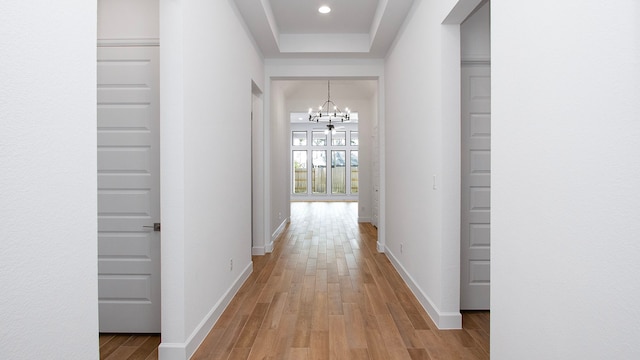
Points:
319	172
300	172
354	171
338	174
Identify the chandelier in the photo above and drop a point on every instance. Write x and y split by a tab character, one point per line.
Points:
329	112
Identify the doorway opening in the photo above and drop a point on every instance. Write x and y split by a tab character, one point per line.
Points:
308	163
475	214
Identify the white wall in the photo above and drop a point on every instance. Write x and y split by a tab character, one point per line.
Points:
423	133
48	221
565	190
132	21
208	64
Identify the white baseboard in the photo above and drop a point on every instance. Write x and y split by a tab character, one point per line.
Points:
184	351
279	230
261	250
172	351
364	219
443	320
274	236
380	247
258	250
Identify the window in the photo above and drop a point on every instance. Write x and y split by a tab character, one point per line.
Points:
338	174
319	172
300	172
354	171
339	138
299	138
319	138
324	165
354	138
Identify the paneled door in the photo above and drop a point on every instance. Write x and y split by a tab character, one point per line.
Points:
475	246
128	189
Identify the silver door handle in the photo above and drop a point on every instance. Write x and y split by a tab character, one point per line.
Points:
155	227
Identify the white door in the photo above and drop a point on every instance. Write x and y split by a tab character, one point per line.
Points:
476	188
128	189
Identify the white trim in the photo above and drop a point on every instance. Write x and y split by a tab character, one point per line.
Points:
184	351
380	246
443	320
266	164
461	11
364	219
279	230
382	169
129	42
269	247
257	251
172	351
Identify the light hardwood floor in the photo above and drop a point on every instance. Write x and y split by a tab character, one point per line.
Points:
129	347
326	293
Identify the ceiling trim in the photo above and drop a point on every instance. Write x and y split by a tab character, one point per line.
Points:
261	22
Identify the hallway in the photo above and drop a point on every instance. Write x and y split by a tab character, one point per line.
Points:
326	293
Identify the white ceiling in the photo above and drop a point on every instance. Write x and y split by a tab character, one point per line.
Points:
295	28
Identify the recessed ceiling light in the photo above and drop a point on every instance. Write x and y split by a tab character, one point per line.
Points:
324	9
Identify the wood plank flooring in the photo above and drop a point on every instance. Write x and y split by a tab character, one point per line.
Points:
326	293
129	347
